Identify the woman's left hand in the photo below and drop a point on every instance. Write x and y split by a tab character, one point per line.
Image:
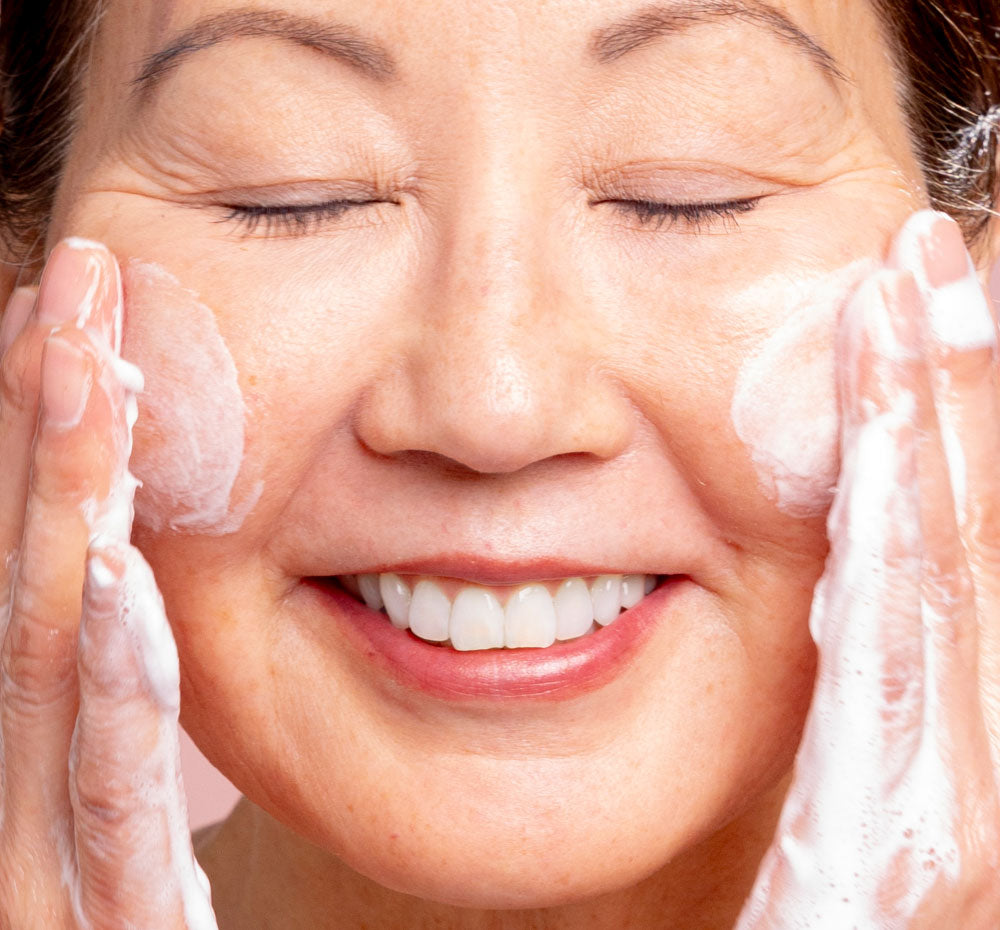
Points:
893	816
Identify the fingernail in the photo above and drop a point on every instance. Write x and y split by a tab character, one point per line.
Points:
19	308
72	282
932	247
945	257
66	384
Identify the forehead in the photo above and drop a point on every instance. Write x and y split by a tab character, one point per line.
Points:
527	33
505	55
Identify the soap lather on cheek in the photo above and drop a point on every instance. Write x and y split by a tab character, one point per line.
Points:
191	434
785	403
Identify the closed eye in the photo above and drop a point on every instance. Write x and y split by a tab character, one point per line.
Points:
298	219
696	217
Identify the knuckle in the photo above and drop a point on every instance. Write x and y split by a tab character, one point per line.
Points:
107	799
60	476
38	661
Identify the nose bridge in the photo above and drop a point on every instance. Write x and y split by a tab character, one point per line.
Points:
500	370
492	279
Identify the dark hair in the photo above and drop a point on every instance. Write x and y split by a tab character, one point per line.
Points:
948	52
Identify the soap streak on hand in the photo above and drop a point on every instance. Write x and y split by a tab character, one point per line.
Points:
93	821
893	819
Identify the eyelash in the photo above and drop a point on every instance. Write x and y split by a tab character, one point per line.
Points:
290	219
697	216
303	219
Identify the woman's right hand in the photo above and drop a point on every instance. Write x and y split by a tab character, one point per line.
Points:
93	824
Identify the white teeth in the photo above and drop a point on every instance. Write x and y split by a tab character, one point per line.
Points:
369	587
574	609
606	593
633	590
396	597
476	620
529	618
429	612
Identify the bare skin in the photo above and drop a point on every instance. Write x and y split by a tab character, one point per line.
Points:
612	344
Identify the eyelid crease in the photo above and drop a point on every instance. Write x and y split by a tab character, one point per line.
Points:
690	182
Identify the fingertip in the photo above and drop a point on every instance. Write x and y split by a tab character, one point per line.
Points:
121	588
932	247
81	284
105	565
907	251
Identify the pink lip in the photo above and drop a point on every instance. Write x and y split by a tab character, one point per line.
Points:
561	671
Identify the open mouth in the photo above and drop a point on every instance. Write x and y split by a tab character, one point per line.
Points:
469	617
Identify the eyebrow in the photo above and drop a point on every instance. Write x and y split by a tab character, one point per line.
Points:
645	26
339	42
374	61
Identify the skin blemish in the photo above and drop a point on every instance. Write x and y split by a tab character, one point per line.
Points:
191	434
785	403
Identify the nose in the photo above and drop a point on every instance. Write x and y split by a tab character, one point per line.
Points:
500	366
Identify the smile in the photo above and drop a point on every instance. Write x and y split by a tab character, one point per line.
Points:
469	617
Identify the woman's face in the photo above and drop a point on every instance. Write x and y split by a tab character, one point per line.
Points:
576	319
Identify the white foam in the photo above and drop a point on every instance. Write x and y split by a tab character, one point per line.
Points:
959	313
870	824
192	443
784	405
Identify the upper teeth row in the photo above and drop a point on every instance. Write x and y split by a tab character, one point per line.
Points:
475	619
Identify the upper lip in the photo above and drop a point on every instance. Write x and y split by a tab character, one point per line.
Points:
487	571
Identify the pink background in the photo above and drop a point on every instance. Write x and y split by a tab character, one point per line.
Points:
211	796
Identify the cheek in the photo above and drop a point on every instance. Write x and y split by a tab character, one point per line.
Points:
189	440
784	405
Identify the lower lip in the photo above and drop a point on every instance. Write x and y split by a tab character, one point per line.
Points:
558	672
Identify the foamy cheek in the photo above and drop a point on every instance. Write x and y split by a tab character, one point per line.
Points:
191	435
785	402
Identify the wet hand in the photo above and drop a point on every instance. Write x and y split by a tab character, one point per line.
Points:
93	825
893	816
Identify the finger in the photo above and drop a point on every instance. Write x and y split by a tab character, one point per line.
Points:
75	455
963	353
15	316
136	863
81	283
866	613
834	841
80	286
